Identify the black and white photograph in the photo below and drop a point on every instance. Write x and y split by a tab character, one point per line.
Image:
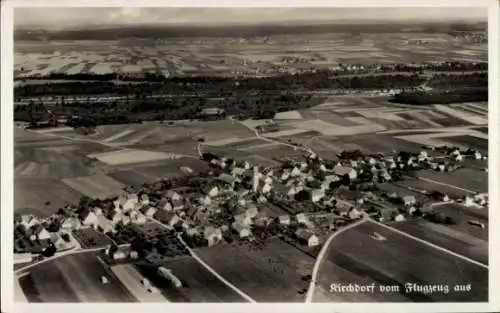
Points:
250	154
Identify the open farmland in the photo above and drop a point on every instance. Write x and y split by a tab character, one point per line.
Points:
469	141
470	180
271	274
198	285
73	278
354	256
95	186
177	57
421	184
41	196
461	237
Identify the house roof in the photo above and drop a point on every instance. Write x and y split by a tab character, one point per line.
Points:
342	170
304	234
239	227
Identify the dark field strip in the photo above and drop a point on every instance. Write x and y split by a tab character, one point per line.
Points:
73	278
199	285
469	141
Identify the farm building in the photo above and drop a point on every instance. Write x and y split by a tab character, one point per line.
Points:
169	275
307	237
29	221
344	170
268	128
212	235
409	200
243	219
303	219
284	219
39	232
71	223
241	230
173	195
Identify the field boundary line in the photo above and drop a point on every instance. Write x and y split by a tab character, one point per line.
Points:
208	267
69	252
321	255
462	257
447	185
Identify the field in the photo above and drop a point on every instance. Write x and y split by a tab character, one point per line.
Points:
41	196
128	275
95	186
73	278
198	285
178	57
470	180
273	274
470	141
354	256
421	184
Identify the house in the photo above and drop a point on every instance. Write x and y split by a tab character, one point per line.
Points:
303	220
307	237
237	171
251	210
212	235
399	218
148	210
226	178
59	242
116	217
103	224
354	214
243	219
409	200
71	223
241	230
88	217
131	202
166	205
344	170
295	172
167	217
173	195
284	219
139	219
317	195
120	201
29	221
177	204
266	188
39	232
214	191
144	199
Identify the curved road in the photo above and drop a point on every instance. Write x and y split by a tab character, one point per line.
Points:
323	253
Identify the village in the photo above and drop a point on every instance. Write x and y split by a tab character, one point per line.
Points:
302	202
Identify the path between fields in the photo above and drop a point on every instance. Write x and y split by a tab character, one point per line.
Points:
447	185
208	267
464	258
321	255
69	252
259	136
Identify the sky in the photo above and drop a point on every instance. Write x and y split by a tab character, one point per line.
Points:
63	18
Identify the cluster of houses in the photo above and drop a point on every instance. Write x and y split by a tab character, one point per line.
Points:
33	235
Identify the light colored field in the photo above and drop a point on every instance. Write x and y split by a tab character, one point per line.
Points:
331	130
128	275
468	117
54	130
129	156
289	115
226	141
95	186
119	135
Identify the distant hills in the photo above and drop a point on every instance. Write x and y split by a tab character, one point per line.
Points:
173	31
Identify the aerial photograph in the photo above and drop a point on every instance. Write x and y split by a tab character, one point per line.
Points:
250	154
